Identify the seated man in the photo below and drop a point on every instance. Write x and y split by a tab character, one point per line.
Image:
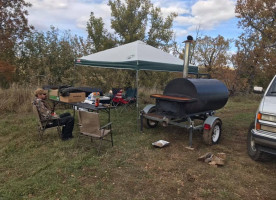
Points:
45	113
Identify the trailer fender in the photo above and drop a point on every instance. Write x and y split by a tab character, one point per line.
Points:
210	120
212	130
148	108
149	123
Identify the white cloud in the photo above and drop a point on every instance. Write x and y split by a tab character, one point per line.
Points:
175	9
49	4
168	6
81	22
66	14
180	32
74	14
208	13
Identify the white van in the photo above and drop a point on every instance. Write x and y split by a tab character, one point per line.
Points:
261	137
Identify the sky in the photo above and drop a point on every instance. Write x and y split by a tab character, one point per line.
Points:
210	17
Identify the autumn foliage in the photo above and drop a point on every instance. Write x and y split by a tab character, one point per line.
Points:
30	57
255	59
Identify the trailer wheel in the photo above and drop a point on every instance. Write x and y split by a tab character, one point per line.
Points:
150	123
212	136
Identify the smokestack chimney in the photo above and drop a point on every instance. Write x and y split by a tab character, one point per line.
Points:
187	55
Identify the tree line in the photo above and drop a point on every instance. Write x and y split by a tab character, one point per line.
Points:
31	57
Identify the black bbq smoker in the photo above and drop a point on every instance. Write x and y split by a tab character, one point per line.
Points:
185	100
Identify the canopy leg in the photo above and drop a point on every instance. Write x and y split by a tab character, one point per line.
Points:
137	99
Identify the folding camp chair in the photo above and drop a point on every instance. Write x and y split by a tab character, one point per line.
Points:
129	98
42	125
117	96
89	123
115	91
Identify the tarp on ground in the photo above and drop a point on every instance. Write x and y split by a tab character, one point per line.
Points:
135	56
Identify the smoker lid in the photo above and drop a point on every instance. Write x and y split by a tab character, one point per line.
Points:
181	87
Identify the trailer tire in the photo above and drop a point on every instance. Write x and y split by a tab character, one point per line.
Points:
212	136
150	123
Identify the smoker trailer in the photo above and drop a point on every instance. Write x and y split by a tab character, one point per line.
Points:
185	100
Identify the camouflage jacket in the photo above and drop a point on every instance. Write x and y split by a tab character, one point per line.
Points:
44	111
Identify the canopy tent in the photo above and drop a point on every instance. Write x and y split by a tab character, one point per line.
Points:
135	56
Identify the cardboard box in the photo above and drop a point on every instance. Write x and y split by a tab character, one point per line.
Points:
73	97
53	93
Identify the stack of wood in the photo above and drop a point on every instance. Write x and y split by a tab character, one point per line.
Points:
212	159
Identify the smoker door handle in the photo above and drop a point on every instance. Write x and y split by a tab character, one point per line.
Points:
172	98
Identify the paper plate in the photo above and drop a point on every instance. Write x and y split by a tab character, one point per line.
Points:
160	143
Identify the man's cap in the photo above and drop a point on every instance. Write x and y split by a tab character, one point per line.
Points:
40	91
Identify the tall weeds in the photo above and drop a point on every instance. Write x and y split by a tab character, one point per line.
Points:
16	99
144	94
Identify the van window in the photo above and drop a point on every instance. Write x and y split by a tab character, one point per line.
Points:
272	89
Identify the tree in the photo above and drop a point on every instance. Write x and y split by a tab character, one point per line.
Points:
13	26
130	20
258	20
160	33
100	37
246	60
257	44
48	58
212	52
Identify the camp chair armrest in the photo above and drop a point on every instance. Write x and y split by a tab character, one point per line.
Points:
47	120
50	119
108	124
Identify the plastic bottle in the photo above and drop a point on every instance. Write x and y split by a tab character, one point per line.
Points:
97	102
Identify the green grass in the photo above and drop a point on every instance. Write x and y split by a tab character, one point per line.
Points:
132	169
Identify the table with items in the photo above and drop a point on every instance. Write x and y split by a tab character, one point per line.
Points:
85	106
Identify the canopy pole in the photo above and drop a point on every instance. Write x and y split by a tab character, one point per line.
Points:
75	70
137	98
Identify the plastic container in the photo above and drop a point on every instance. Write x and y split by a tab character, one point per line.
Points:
89	97
97	102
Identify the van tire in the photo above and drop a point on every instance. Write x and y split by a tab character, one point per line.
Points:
253	149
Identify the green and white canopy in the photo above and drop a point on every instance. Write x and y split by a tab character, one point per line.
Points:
135	56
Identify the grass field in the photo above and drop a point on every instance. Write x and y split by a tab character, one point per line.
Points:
132	169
